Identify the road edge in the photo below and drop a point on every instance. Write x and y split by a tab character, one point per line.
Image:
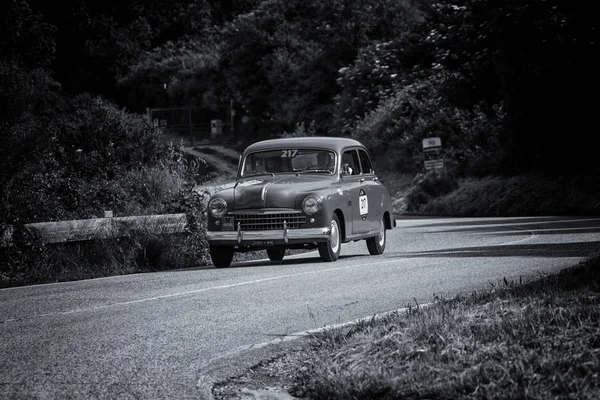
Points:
240	360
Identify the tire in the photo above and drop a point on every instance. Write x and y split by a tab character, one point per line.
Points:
275	254
376	244
330	250
221	256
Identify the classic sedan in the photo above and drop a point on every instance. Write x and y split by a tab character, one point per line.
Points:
300	193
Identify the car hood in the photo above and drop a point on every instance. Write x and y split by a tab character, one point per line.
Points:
277	192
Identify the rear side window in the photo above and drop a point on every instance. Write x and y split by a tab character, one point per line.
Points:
351	158
365	161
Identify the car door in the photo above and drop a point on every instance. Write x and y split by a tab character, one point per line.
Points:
358	197
370	186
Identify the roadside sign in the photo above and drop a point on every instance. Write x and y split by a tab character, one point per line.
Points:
434	164
216	127
432	153
432	142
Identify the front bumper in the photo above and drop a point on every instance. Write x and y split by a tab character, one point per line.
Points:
268	237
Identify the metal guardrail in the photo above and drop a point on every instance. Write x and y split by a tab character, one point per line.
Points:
100	228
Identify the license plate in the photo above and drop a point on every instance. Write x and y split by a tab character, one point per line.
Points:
261	243
228	224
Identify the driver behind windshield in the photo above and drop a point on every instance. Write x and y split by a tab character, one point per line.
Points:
324	161
273	165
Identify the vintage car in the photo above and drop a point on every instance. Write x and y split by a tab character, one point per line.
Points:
300	192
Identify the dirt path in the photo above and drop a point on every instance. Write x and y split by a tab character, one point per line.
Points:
222	159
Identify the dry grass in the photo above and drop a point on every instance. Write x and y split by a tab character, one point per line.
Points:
535	340
519	196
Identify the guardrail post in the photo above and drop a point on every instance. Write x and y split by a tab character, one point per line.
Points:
190	126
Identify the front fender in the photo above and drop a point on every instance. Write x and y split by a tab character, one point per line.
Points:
332	201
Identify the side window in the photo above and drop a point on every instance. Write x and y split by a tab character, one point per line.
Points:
365	161
350	157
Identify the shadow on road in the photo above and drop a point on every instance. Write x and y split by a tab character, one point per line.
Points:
515	230
516	226
576	249
559	224
487	221
297	260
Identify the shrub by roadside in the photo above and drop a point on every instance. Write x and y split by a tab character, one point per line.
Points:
46	263
29	261
530	194
72	158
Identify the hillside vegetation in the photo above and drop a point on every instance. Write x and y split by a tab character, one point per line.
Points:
502	83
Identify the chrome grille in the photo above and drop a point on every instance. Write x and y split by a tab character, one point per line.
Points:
274	221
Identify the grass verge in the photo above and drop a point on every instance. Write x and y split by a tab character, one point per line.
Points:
532	340
140	251
531	194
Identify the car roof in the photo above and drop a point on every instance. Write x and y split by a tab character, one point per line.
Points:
325	142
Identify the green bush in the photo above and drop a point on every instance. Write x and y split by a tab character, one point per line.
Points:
534	58
429	186
140	252
73	159
395	129
92	157
29	261
530	194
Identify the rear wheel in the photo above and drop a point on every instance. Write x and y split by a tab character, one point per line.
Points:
330	250
376	244
275	254
221	256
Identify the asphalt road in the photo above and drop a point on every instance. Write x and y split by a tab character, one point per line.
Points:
147	336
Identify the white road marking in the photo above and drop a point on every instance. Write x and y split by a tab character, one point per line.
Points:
177	294
531	236
540	230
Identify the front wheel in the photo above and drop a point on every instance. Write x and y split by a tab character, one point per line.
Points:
221	256
376	244
330	250
275	254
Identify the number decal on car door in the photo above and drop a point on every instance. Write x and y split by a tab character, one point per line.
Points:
363	204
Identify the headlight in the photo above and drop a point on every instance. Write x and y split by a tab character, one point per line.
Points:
217	207
311	204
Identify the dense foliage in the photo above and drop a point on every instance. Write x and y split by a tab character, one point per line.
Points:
501	82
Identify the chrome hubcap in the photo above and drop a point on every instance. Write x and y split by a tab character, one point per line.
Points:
334	241
381	235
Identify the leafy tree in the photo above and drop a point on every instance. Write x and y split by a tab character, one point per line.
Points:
27	101
379	71
25	36
534	57
98	41
280	61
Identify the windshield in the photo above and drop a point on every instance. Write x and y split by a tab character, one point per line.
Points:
316	161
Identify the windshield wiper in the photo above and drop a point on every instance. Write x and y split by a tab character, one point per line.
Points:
310	171
256	174
260	173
